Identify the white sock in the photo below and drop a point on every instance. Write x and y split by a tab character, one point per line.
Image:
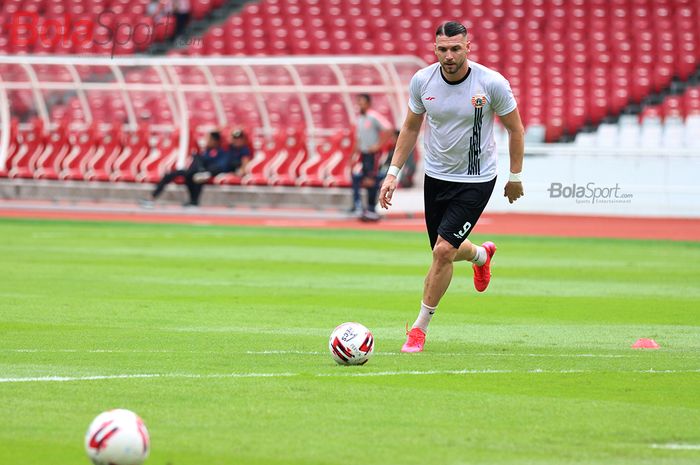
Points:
424	317
480	257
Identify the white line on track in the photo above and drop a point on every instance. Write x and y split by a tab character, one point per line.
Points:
320	375
676	446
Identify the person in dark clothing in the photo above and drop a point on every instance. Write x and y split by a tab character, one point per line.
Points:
213	159
372	131
235	159
239	153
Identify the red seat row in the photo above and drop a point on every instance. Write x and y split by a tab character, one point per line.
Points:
89	155
111	156
676	106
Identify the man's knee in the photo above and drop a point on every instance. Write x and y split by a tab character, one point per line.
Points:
444	252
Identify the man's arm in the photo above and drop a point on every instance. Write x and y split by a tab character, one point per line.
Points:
516	148
246	156
404	145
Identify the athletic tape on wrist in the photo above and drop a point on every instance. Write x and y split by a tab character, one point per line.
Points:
394	170
515	177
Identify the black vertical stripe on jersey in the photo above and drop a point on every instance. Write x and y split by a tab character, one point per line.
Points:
474	166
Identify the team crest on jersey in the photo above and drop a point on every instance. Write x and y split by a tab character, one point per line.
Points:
479	100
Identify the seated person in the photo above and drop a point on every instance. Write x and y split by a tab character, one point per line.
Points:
212	159
239	153
237	158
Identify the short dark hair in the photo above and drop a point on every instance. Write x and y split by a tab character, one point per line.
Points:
366	97
450	29
215	136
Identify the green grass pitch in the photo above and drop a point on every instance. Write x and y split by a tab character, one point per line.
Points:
235	323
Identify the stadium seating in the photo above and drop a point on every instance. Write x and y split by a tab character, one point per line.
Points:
569	62
26	147
331	165
674	123
99	27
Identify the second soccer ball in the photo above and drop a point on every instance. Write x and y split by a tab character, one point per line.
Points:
117	437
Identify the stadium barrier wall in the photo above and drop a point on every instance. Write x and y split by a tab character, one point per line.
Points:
562	179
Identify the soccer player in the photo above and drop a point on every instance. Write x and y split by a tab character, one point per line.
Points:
460	98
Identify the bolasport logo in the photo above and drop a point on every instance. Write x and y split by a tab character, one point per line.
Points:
109	31
589	193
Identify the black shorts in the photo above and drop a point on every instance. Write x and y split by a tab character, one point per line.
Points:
453	208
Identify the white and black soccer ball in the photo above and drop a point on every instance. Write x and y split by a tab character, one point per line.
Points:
351	344
117	437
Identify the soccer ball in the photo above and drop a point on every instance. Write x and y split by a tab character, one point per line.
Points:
351	344
117	437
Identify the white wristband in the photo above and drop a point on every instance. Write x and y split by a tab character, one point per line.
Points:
515	177
394	171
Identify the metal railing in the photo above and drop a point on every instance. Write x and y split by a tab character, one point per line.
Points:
175	78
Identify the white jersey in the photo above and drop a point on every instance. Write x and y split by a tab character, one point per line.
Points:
459	143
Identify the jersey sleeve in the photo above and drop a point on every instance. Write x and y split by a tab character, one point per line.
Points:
502	99
415	102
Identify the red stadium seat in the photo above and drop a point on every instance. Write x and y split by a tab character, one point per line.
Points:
56	148
99	167
83	147
136	149
338	168
259	166
331	157
30	147
13	148
292	153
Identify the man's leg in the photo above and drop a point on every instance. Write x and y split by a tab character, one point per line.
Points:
356	203
467	251
372	194
448	228
440	274
434	212
480	256
167	179
436	283
194	188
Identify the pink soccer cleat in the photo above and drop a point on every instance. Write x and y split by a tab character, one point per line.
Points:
482	274
415	341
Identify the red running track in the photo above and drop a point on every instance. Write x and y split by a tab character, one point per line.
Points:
679	229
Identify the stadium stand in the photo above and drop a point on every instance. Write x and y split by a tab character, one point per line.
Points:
99	27
672	123
609	73
571	62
